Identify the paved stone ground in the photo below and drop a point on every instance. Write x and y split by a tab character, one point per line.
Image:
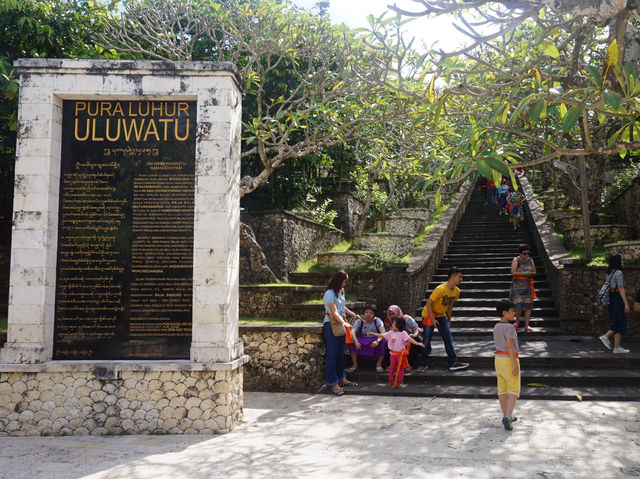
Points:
302	435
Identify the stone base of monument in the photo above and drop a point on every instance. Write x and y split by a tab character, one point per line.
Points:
120	397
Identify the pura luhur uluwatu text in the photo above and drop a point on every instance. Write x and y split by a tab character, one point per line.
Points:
113	121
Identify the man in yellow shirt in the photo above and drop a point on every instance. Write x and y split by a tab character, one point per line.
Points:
437	313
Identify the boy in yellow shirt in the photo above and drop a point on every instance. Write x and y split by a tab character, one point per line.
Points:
438	313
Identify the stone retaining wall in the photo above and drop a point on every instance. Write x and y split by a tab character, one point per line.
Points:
600	235
578	290
420	213
404	284
287	239
629	250
402	226
90	398
284	358
349	209
343	260
625	207
574	284
273	301
396	244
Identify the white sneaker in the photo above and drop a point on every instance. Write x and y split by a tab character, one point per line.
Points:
606	342
620	350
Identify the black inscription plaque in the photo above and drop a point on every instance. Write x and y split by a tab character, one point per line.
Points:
125	242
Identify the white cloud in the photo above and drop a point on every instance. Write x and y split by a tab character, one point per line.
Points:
353	13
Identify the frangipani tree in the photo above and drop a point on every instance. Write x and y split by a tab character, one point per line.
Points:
539	81
301	94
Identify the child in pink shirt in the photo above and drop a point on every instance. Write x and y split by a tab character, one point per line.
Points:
397	340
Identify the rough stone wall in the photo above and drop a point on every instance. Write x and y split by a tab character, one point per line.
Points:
406	284
600	235
385	287
625	207
253	263
403	226
574	284
579	285
388	243
272	301
76	402
630	250
349	209
284	358
346	260
287	239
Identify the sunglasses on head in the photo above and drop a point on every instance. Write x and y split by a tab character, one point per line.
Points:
526	252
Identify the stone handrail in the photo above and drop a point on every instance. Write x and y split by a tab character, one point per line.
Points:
425	258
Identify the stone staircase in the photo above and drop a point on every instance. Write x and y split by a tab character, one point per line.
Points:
554	365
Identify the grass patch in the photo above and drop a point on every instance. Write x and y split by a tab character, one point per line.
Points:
313	301
597	256
311	266
341	247
267	321
3	324
417	240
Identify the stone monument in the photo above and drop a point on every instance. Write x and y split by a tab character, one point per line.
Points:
123	301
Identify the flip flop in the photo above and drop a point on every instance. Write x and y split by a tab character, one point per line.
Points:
506	422
350	384
351	369
338	392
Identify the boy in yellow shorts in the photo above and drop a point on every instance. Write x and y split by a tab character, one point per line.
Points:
507	362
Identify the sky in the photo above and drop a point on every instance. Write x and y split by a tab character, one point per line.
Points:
354	12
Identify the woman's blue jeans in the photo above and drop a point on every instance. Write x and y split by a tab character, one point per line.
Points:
335	356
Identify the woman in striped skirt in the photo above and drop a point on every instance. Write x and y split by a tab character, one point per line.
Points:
522	292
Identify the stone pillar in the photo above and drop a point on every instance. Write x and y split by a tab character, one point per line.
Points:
216	267
44	84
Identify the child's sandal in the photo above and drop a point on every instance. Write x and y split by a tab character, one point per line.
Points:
506	422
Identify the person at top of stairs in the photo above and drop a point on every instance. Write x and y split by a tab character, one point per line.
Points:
438	313
522	293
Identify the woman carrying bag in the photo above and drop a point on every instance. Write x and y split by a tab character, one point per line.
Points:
334	329
618	306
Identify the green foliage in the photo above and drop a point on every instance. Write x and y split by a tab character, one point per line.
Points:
622	181
38	29
342	247
377	260
319	211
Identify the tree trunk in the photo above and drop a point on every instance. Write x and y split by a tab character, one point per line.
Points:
367	205
584	206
